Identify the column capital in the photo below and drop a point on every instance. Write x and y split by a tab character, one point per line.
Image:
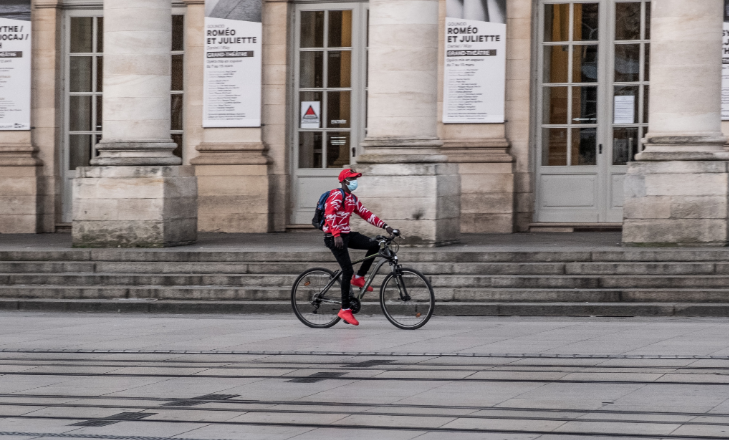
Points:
19	155
402	150
231	153
683	146
138	152
477	150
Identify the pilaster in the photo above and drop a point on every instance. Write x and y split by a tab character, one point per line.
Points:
234	187
20	189
487	184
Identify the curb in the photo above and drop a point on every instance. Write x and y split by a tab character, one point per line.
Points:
372	308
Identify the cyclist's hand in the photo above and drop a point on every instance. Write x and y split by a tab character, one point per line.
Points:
389	230
338	242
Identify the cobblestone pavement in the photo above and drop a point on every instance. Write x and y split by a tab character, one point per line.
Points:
81	376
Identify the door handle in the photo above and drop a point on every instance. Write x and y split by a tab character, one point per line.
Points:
600	148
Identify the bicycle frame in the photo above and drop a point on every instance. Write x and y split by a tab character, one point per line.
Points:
384	258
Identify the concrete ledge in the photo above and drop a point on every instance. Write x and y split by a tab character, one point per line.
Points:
441	309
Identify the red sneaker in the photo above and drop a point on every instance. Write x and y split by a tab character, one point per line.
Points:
359	282
348	317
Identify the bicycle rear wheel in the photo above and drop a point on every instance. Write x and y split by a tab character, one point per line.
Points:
407	299
312	305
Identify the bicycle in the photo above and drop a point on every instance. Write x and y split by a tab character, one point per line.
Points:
406	297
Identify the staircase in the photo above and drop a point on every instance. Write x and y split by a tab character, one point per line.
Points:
620	282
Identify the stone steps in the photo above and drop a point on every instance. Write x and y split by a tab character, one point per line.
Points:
442	309
624	282
443	268
436	280
227	293
710	255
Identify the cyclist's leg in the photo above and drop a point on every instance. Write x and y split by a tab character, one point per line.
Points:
360	241
345	263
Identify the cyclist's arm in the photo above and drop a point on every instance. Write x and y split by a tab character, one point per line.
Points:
368	216
333	204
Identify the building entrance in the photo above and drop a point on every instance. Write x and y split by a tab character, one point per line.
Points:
592	106
330	98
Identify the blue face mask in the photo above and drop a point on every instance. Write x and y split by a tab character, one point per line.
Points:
352	185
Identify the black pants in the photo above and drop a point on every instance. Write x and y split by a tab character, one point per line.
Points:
353	240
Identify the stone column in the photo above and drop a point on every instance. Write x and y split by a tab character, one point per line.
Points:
135	195
676	192
406	178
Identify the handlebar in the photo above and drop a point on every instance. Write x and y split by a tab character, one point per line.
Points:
395	234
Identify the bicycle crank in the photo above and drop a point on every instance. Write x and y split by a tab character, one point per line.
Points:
355	305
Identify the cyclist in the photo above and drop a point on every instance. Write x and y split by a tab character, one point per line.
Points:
338	237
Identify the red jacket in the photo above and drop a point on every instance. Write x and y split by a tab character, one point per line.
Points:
337	217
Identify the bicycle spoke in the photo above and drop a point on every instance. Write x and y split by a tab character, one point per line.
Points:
407	299
314	304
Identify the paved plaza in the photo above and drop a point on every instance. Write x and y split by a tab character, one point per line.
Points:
124	376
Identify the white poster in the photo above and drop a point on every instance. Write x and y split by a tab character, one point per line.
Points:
624	111
475	62
15	64
310	114
725	66
233	63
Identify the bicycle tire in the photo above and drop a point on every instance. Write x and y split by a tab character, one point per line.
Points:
302	294
407	315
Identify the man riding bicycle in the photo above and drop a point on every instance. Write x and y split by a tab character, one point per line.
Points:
338	237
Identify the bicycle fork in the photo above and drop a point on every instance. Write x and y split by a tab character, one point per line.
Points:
402	289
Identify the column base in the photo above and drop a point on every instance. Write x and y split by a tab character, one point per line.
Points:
234	187
418	193
676	203
134	206
138	153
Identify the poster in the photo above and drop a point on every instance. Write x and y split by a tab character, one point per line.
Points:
725	66
474	78
233	64
15	64
310	114
624	111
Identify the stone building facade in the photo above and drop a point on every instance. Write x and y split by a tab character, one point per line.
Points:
117	147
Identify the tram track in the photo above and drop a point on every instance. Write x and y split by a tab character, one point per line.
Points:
337	409
299	409
394	354
373	378
416	366
442	429
133	394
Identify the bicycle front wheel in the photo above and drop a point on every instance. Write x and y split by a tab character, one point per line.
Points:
407	299
312	304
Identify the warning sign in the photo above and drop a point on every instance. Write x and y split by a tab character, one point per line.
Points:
310	114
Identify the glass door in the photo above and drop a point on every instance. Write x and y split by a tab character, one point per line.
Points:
329	90
593	82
